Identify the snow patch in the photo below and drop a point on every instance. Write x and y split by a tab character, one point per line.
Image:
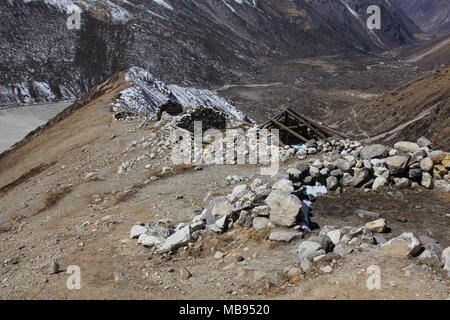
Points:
148	93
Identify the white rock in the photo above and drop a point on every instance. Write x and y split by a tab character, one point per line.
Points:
426	164
427	180
136	231
176	240
378	226
284	207
406	146
380	183
284	185
403	246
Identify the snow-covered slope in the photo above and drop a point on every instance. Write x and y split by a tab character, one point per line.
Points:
148	93
190	43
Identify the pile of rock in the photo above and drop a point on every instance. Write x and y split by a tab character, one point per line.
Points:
343	241
375	167
261	204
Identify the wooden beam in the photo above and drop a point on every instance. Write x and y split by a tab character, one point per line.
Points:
307	124
321	126
295	134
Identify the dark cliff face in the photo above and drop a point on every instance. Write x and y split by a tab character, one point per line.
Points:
432	16
189	42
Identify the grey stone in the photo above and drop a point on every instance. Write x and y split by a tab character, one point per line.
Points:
137	230
176	240
342	165
306	266
406	146
262	223
426	164
284	185
427	180
373	151
332	183
284	208
314	172
359	177
367	214
377	226
307	250
149	240
346	179
442	185
424	142
431	244
404	245
342	249
401	183
217	208
51	268
284	236
430	257
415	174
336	173
379	239
245	219
397	164
379	183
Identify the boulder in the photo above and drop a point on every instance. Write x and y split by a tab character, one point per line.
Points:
406	146
342	249
137	230
381	171
149	240
427	180
401	183
324	241
377	226
430	257
373	151
217	208
346	179
332	183
314	172
380	183
379	239
405	245
178	239
359	177
284	185
431	244
284	236
307	250
442	185
239	191
446	258
397	164
342	165
415	174
367	214
284	208
262	223
424	142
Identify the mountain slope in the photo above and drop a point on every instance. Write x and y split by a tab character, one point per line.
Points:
419	108
201	43
431	16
